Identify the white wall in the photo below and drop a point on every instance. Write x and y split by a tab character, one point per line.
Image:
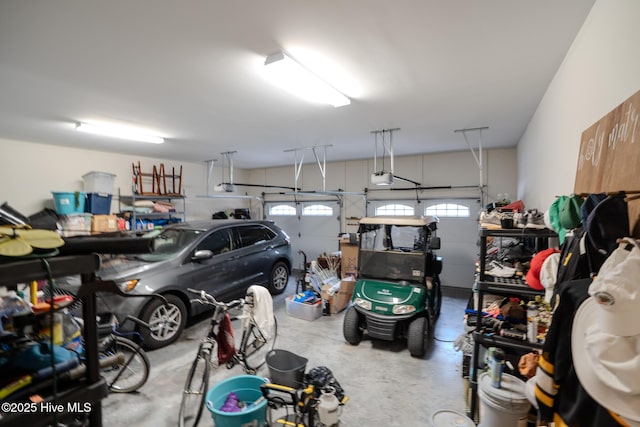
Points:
600	71
30	172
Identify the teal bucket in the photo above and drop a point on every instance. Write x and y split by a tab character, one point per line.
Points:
69	202
247	388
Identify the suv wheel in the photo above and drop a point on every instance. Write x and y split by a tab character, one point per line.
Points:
167	322
279	278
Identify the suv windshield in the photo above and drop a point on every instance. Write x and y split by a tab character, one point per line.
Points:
169	242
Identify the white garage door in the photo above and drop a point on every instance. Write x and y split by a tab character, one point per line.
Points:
458	232
313	229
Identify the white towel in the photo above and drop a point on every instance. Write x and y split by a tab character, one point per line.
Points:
262	310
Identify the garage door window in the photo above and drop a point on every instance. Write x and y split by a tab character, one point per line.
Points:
317	210
448	210
395	210
282	210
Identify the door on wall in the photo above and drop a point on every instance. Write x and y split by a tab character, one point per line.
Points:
320	228
457	229
313	227
286	215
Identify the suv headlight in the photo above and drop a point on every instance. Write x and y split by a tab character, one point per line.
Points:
129	285
362	303
403	309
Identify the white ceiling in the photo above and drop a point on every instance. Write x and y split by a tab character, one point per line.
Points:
191	70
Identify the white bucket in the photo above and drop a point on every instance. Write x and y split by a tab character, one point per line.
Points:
503	406
449	418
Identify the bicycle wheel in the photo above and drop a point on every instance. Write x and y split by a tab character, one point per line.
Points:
195	389
255	345
132	373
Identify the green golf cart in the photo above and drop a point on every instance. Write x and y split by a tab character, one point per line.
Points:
397	293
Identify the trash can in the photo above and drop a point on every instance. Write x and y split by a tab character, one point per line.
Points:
286	368
247	389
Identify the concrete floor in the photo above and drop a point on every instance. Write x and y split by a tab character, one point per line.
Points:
385	385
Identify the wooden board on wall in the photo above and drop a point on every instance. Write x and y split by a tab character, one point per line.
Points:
609	158
610	151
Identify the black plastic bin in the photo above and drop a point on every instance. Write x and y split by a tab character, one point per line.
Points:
286	368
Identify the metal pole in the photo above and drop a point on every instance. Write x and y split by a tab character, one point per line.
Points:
478	157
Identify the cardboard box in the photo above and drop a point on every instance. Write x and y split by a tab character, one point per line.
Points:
104	223
349	259
338	296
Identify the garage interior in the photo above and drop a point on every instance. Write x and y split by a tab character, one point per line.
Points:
462	107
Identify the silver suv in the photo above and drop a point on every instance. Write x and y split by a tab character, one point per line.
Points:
222	257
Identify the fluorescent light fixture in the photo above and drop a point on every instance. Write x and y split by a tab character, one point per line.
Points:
122	132
292	76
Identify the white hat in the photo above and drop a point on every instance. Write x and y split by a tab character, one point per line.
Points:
549	274
605	339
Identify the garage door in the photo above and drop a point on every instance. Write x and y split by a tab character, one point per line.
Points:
312	226
457	229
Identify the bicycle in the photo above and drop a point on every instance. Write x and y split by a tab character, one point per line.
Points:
123	363
259	330
133	372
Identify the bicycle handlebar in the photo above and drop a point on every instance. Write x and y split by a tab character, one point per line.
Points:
205	298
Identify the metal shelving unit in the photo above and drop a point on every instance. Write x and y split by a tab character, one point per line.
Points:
513	286
92	388
181	209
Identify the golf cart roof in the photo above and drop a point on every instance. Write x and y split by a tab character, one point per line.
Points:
400	220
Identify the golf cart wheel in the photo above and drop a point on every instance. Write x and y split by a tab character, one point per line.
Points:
166	322
352	326
438	297
418	336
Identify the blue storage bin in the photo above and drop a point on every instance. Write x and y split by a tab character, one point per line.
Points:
98	203
247	388
69	202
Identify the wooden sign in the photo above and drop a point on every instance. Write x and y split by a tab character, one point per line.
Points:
609	159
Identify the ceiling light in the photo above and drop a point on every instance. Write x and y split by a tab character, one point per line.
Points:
290	75
122	132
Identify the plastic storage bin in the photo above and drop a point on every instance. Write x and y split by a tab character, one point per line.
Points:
286	368
98	203
303	310
78	224
69	202
98	182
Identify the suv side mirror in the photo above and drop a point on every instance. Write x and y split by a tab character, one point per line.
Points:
201	255
434	243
